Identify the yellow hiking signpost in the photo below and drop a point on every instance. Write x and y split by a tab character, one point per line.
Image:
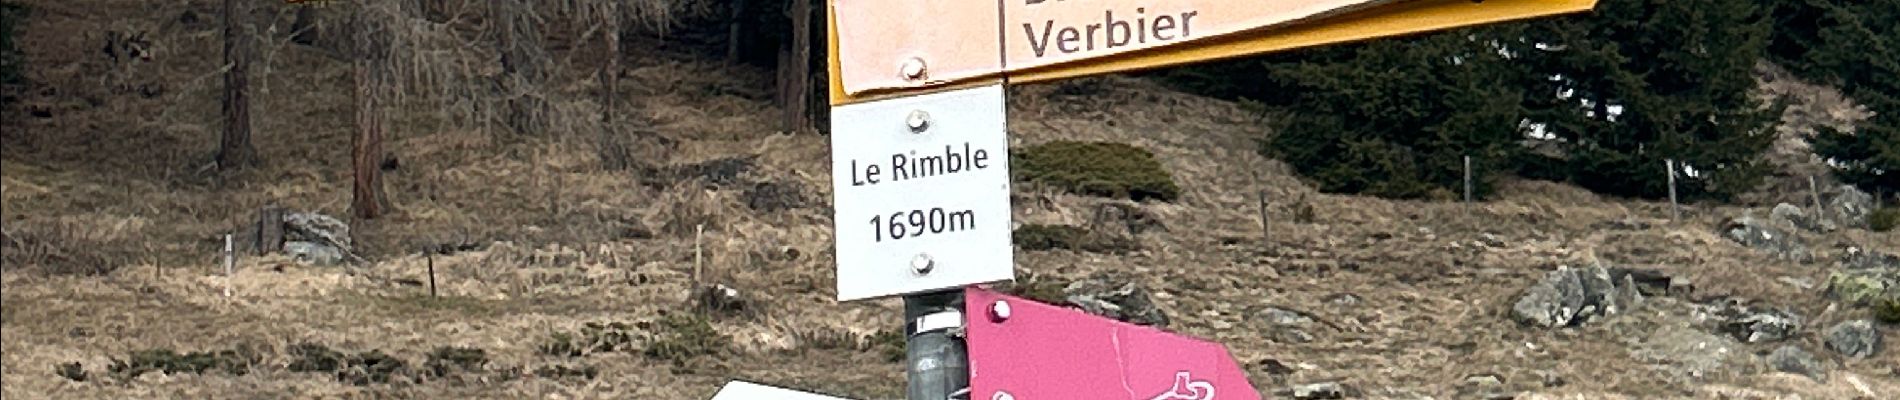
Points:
976	46
921	175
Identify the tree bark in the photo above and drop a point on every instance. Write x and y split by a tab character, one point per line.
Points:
732	31
799	89
366	147
270	230
370	47
610	75
522	57
234	148
613	154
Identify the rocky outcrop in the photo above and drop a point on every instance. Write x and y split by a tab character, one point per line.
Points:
1753	324
1690	353
1571	297
1854	339
1111	297
1794	216
1794	360
1762	236
1850	207
1864	277
1286	326
316	239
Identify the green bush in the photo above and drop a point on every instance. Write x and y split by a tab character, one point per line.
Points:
1887	309
1884	219
1096	169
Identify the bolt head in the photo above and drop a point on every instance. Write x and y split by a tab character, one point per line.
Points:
918	121
922	264
1002	395
999	311
912	69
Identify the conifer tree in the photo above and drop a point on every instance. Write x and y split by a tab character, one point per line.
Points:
1858	46
1395	118
1639	82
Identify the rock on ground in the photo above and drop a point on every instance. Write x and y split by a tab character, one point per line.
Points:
1755	324
1317	391
314	238
312	253
1690	352
1794	360
1571	297
1850	206
1288	326
1864	276
1856	339
1117	298
1793	216
1762	236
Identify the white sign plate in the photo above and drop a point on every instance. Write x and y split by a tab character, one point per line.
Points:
740	390
933	199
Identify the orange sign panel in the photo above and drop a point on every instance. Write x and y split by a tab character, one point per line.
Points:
888	44
1039	33
882	46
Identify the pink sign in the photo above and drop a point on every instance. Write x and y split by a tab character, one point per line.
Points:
1034	351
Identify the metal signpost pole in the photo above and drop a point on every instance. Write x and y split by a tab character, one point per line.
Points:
936	359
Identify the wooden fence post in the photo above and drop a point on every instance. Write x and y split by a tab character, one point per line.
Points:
1468	196
1675	209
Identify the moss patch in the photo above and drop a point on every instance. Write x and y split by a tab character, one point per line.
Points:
1064	237
1860	288
1096	169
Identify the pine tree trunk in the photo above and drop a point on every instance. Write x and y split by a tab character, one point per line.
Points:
366	148
522	57
234	148
613	153
370	46
732	31
610	75
799	89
